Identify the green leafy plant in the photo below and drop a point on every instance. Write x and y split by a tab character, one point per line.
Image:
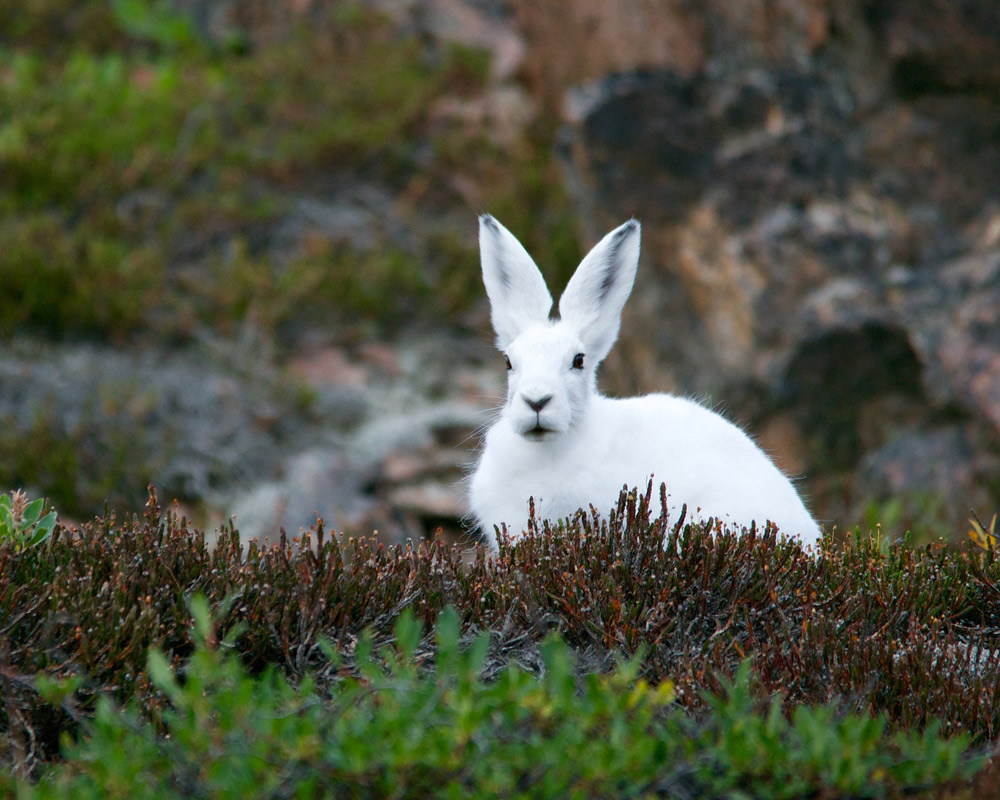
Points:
21	520
983	536
404	725
156	21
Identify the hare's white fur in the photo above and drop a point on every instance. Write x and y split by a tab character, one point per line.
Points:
559	441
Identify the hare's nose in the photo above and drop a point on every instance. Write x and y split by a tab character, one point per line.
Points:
539	404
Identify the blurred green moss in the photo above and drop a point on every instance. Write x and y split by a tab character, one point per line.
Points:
378	286
923	516
56	25
137	156
59	279
523	188
77	471
114	148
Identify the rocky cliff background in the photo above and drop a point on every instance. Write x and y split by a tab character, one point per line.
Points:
238	258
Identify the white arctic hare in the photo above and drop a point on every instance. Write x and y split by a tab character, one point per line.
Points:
561	442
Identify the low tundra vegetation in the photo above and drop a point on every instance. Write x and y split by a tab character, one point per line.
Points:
658	659
397	726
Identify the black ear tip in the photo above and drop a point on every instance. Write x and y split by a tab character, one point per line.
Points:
487	221
624	231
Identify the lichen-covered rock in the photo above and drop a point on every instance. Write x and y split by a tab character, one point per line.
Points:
398	468
820	243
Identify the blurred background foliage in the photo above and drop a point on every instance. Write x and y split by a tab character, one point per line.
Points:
167	187
141	161
260	195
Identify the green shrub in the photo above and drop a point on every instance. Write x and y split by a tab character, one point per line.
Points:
21	520
397	729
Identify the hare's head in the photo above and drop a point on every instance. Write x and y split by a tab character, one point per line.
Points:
552	362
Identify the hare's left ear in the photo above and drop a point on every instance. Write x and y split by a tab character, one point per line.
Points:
517	291
596	294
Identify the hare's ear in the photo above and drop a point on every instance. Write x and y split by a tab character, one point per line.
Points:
597	292
517	291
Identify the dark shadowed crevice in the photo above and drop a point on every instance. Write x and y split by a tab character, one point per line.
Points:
830	378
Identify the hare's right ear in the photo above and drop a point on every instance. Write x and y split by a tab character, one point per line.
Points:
517	291
597	292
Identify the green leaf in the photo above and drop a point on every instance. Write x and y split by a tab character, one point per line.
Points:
42	529
363	648
330	651
478	652
162	675
32	512
408	631
56	690
154	20
48	522
447	639
202	615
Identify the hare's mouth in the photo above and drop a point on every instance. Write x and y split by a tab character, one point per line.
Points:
538	433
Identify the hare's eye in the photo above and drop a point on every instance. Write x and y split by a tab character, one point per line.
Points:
578	361
507	359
